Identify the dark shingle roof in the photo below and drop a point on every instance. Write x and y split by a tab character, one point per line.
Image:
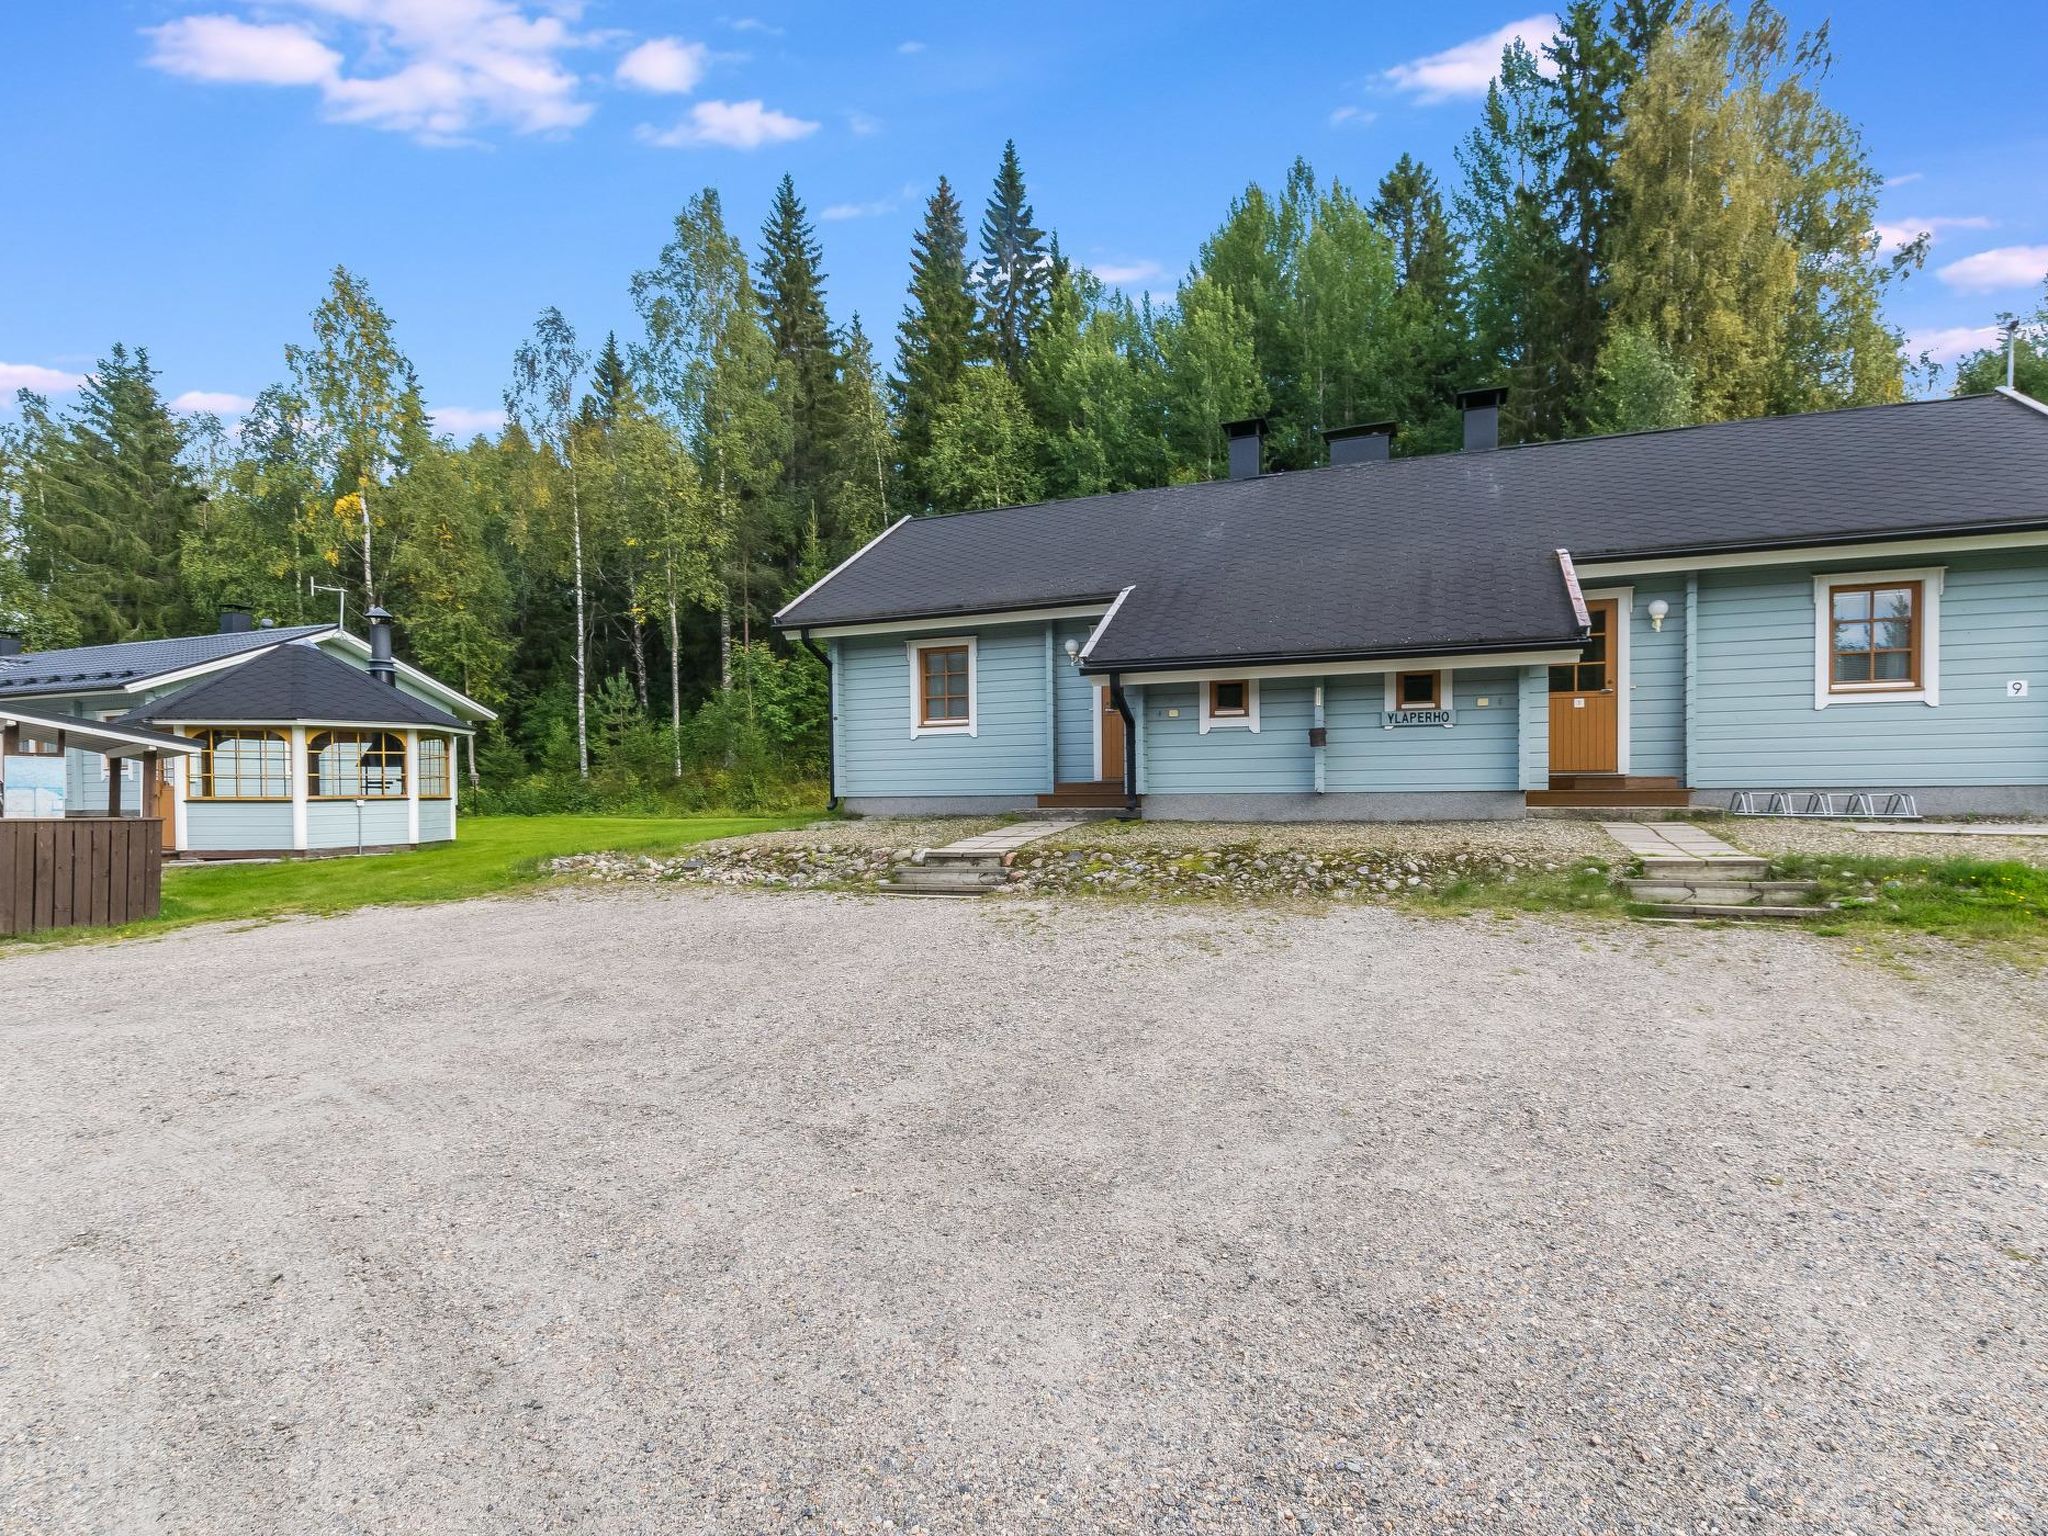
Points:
84	668
294	682
1455	551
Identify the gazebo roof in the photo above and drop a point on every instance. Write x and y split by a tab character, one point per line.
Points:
296	684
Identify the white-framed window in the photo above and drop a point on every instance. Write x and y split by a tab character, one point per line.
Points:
1229	703
1877	637
943	685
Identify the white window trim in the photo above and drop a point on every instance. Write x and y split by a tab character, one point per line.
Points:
1392	696
1248	721
914	651
1929	692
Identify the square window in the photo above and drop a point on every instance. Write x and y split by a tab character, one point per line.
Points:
1416	690
1229	700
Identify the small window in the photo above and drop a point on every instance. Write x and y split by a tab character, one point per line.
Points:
1589	673
242	765
1416	690
1874	640
356	765
944	686
1229	701
433	768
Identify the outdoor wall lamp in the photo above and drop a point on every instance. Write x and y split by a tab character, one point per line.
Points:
1074	651
1658	609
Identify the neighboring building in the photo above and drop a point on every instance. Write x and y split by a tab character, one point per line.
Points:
1849	600
310	739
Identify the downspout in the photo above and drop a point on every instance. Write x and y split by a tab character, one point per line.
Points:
831	722
1123	709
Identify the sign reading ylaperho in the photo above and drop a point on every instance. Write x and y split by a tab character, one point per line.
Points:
1398	717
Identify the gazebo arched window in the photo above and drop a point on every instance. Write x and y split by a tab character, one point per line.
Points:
355	765
242	764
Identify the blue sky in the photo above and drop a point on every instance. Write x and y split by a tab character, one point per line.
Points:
183	173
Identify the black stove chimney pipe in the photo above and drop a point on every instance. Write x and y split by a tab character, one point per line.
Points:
382	667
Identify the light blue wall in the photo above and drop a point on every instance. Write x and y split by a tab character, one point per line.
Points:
332	823
437	821
1754	721
1008	753
1075	697
1657	681
1478	752
237	826
1274	759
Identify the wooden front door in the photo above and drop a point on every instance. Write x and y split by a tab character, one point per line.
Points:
157	801
1583	702
1111	768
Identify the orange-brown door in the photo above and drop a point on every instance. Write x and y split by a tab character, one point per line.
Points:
1112	765
156	789
1583	714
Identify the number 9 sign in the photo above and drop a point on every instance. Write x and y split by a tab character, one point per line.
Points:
2016	689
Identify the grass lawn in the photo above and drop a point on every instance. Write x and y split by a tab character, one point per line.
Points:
490	854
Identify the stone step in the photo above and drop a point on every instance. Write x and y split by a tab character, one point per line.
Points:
901	892
1669	891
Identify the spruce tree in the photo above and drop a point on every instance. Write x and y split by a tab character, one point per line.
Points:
935	339
1015	273
1431	358
805	379
107	502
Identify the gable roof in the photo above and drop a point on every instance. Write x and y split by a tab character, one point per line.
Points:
90	668
1453	552
293	683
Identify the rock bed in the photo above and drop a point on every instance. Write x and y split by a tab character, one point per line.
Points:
1242	872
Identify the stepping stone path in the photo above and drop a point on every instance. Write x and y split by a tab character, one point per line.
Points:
1693	874
974	866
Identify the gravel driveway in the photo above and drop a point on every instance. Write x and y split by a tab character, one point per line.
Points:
674	1210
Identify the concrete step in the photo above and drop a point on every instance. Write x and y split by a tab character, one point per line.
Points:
1678	867
1064	812
1688	912
1622	801
886	888
957	858
954	880
1670	891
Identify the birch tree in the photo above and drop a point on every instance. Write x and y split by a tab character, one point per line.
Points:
545	372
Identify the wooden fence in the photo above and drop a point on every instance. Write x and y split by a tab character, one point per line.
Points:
79	871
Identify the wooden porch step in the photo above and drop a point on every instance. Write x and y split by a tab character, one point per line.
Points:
1612	781
1618	799
1101	794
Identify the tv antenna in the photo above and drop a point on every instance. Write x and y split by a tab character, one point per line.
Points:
341	593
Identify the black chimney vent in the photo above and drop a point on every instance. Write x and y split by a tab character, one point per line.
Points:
234	619
1247	446
10	643
1482	417
382	667
1368	442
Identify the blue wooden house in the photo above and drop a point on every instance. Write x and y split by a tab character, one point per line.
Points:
1841	601
306	739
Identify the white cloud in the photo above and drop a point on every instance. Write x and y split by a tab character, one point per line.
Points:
1906	180
838	212
32	376
664	64
862	125
1469	68
730	125
1948	343
1894	233
440	70
465	420
910	45
2012	266
753	24
217	402
227	49
1353	117
1120	273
